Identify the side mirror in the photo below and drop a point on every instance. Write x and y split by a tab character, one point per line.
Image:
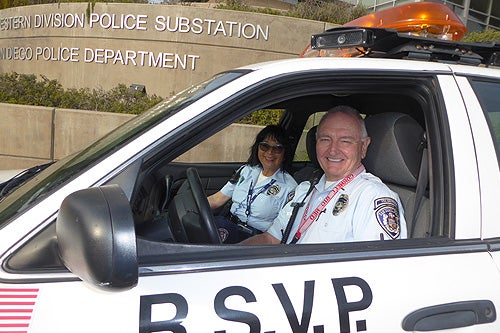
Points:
96	237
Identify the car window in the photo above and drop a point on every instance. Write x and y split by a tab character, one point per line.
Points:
487	93
233	143
67	168
162	169
301	151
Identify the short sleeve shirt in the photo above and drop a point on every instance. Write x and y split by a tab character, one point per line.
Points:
365	209
266	198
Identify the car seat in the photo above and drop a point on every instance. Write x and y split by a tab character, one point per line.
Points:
307	172
395	156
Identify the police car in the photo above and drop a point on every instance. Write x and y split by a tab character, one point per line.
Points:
119	237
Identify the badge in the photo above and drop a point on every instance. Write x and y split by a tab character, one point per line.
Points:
340	205
290	197
387	214
223	234
273	190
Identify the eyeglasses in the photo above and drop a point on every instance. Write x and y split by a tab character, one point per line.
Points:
278	149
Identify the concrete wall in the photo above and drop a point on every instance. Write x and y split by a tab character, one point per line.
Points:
164	47
32	135
114	43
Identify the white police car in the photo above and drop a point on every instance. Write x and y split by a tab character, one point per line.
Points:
109	239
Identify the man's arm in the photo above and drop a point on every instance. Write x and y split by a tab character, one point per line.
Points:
260	239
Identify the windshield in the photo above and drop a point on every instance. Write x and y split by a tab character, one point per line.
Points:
48	180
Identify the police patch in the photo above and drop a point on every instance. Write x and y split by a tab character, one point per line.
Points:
384	201
387	214
340	205
273	190
223	234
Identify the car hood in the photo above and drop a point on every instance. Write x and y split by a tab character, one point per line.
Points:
8	174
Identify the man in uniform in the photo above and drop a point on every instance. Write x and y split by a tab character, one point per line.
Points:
347	203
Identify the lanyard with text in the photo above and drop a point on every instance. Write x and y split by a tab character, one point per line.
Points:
251	198
307	221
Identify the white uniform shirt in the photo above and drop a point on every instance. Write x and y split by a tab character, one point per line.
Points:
365	209
268	202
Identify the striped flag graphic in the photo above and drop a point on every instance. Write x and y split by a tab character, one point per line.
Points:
16	307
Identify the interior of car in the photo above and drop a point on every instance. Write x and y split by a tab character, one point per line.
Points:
169	203
167	186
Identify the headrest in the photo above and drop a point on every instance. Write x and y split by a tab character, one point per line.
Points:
395	150
311	145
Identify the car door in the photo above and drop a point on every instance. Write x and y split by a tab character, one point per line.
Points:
447	281
482	97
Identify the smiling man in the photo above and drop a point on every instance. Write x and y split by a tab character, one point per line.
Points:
347	203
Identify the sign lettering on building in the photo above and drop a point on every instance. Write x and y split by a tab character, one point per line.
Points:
167	59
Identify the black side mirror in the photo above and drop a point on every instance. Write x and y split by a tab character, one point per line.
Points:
96	237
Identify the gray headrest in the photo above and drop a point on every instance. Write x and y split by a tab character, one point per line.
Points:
395	151
311	144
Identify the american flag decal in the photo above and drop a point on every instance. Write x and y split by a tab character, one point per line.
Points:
16	308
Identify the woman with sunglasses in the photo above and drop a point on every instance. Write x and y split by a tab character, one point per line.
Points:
258	190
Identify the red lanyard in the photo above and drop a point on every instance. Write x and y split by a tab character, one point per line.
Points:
307	221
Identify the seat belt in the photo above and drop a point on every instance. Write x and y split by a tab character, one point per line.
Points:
423	177
314	179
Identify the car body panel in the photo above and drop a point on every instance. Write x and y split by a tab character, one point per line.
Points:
352	287
8	174
466	179
489	174
271	298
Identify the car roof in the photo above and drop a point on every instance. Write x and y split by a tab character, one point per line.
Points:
296	64
276	67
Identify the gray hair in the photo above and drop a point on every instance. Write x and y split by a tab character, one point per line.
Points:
349	110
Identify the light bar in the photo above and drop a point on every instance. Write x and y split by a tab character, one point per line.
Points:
342	39
424	19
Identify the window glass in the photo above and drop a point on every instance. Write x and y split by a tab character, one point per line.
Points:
488	94
481	5
67	168
233	143
301	151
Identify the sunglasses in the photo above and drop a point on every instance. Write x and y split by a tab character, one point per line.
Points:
278	149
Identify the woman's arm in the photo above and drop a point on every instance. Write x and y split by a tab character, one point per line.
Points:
217	200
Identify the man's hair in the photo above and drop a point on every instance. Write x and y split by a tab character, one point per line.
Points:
349	110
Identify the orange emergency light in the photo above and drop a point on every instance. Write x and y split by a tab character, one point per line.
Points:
425	19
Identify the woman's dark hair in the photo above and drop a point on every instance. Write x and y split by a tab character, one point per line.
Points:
280	135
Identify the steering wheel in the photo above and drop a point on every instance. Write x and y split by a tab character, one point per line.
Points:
191	218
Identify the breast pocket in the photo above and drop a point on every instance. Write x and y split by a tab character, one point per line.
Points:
266	206
337	225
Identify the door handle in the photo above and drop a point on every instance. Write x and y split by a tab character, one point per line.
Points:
450	315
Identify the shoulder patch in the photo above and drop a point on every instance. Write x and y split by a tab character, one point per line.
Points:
387	215
384	201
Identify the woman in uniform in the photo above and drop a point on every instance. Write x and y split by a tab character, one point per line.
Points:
258	190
